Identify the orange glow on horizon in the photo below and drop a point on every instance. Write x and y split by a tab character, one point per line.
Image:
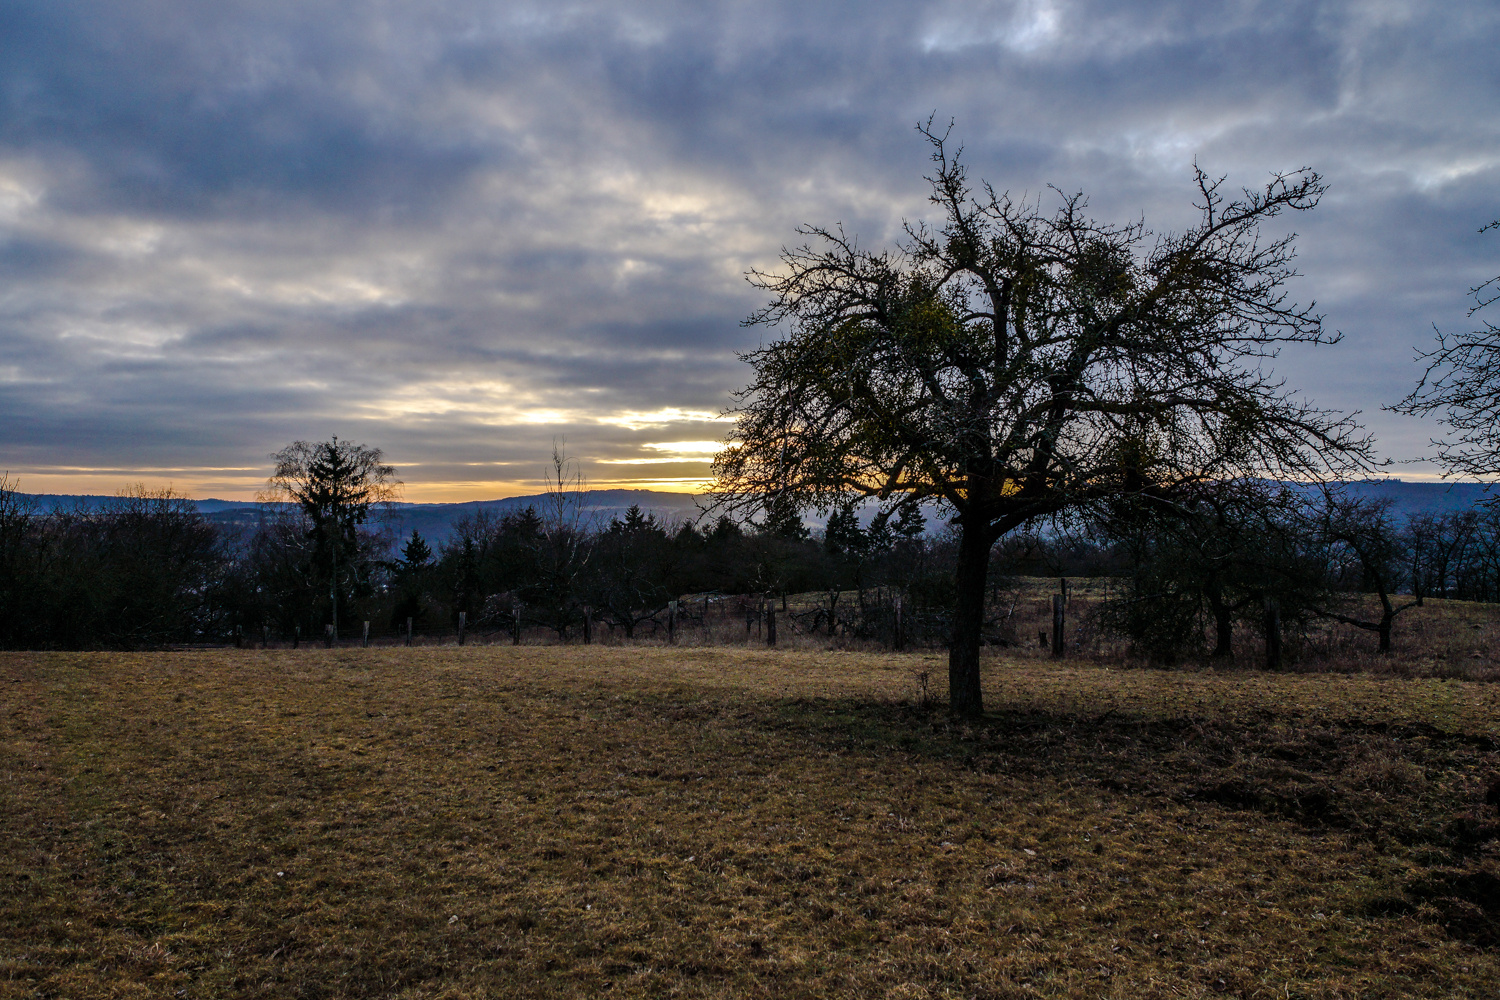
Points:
245	485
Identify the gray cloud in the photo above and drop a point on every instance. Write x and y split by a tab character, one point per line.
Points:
459	230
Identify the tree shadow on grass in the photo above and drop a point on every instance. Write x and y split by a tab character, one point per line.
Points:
1411	785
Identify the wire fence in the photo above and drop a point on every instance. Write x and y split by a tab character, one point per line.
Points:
875	618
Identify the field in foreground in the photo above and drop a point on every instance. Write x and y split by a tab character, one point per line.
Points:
581	821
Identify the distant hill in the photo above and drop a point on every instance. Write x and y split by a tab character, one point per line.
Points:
435	520
1417	498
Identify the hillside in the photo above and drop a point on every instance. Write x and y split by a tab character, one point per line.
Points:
435	520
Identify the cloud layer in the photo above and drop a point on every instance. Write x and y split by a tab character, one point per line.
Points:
460	230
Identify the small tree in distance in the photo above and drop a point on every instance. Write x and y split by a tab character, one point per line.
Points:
1366	554
1015	365
334	484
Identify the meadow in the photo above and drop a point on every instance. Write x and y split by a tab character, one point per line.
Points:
718	821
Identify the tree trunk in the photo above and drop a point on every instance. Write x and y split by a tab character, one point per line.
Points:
1273	634
964	697
1387	619
1223	628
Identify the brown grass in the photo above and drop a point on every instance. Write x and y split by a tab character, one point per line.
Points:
582	821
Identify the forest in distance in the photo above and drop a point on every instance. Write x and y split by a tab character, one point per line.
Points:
150	569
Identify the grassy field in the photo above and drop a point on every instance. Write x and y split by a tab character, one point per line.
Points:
732	822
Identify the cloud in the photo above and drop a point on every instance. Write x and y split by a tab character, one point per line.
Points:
459	230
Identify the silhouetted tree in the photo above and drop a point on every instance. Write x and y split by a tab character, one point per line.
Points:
1205	562
1366	554
1014	366
631	579
334	484
1462	385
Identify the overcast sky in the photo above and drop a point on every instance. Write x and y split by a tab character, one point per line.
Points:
457	230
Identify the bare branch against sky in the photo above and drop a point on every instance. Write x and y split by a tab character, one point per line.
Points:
458	229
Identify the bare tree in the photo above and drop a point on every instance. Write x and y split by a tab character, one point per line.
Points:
1015	365
1366	553
1462	384
565	546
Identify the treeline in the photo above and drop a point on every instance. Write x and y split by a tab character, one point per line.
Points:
149	570
143	571
1262	556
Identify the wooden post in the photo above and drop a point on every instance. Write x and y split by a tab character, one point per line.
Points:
463	620
1059	625
296	636
364	638
265	637
705	619
239	637
672	622
408	631
588	625
771	623
327	636
515	633
900	640
1273	634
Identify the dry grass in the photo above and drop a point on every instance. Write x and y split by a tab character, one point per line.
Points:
576	821
1457	639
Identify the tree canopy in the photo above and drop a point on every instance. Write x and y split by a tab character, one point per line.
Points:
1015	364
333	484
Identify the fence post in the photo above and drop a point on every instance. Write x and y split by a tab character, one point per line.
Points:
327	636
364	639
1059	625
899	642
265	637
1273	634
771	622
463	619
705	620
408	631
588	625
672	623
296	636
239	637
515	633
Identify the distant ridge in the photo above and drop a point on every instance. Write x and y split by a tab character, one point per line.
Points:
1420	498
435	520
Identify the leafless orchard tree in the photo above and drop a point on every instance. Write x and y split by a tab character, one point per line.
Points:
1462	383
1016	365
